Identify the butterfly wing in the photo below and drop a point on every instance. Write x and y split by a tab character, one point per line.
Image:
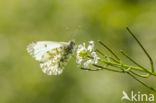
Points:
38	49
52	55
54	65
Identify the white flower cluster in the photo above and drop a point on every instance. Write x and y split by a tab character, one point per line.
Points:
86	56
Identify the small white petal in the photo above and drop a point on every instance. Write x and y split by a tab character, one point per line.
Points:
80	49
79	60
93	54
86	64
84	44
96	58
91	46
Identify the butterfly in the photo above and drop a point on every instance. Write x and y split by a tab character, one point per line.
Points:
53	56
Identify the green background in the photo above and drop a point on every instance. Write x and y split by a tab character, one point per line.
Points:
24	21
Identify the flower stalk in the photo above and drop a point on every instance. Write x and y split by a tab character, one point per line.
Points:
88	59
142	47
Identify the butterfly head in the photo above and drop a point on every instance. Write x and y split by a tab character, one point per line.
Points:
71	46
72	42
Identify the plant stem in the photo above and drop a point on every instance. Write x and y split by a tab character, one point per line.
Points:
125	66
113	60
111	51
141	82
100	52
134	61
139	75
98	66
102	68
147	54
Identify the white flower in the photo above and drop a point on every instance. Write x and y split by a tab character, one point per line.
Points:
96	58
86	57
86	64
79	60
80	49
91	46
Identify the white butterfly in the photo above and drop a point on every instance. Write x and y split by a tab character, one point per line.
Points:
52	56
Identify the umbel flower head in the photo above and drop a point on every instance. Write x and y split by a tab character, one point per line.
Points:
86	56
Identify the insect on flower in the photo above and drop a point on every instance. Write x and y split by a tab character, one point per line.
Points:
53	56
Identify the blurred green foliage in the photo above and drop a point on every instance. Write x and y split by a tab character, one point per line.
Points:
24	21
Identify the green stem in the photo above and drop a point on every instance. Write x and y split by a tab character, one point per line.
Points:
151	88
104	68
139	75
105	56
134	61
98	66
147	54
100	52
111	51
125	66
113	60
101	68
